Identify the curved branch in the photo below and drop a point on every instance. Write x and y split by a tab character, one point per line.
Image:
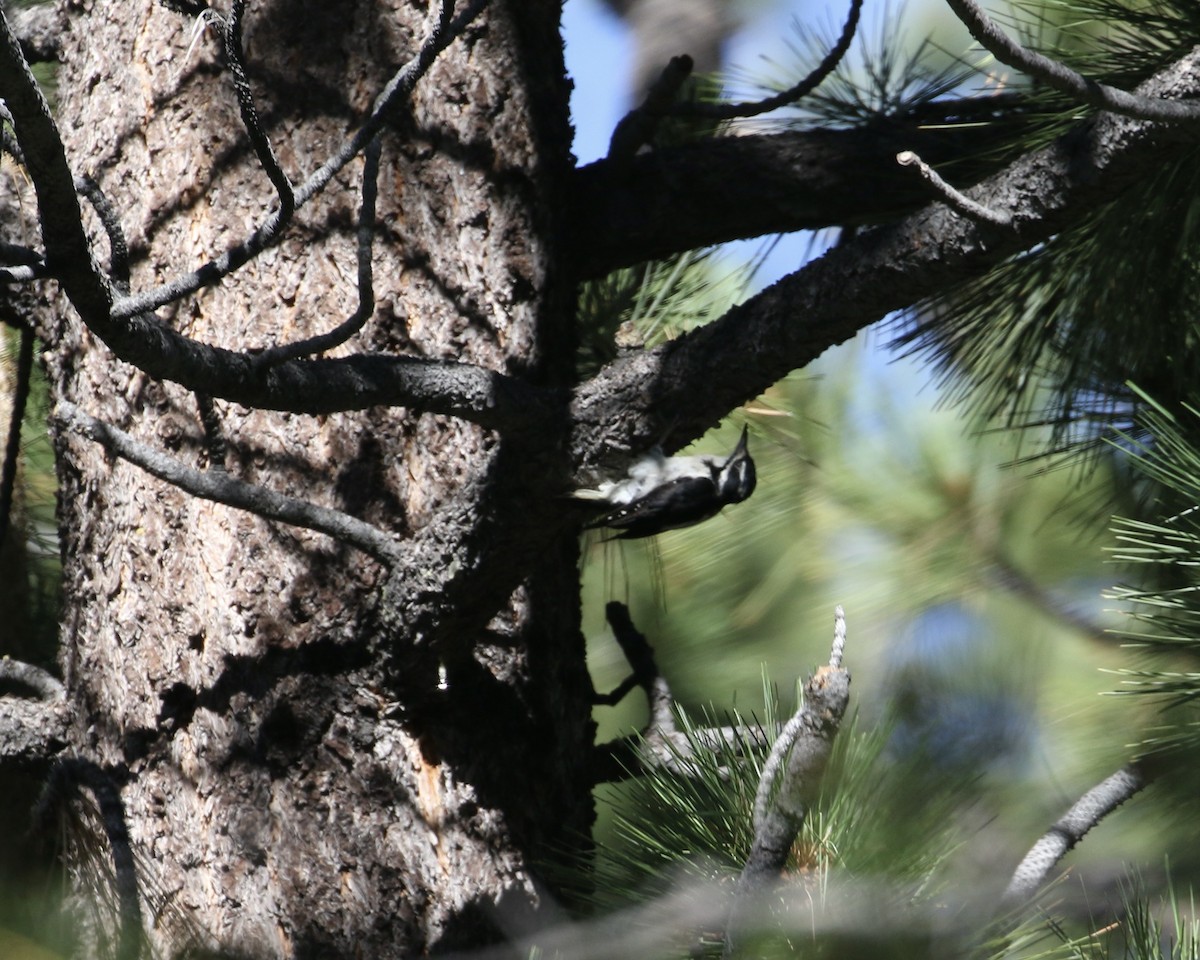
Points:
1084	814
218	486
118	249
318	386
678	390
268	232
754	108
1062	78
366	292
949	195
258	136
68	251
661	745
32	729
43	683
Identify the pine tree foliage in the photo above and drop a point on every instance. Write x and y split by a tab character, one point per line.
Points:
1166	615
883	825
656	301
1052	336
885	80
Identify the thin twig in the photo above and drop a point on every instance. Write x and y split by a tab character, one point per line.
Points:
12	447
366	291
258	136
219	487
268	232
1084	814
1061	77
754	108
952	197
118	249
214	433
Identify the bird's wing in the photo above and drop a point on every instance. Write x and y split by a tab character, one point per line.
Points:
679	503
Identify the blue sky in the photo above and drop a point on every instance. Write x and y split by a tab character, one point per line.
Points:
599	55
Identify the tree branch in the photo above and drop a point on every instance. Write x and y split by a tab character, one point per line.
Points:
804	745
39	681
322	386
1084	814
258	136
32	729
661	744
951	197
1062	78
443	33
754	108
800	754
366	292
118	249
218	486
728	188
679	389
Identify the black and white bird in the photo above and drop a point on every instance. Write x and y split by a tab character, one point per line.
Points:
666	493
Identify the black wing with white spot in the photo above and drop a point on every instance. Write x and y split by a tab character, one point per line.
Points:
678	503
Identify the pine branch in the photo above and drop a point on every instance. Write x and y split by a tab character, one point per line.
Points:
402	84
793	772
254	128
754	108
1084	814
1060	77
689	383
661	745
366	292
485	397
218	486
726	188
950	196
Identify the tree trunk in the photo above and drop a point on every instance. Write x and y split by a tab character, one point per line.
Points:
311	758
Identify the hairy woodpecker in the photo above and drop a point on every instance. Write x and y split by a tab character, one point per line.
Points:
665	493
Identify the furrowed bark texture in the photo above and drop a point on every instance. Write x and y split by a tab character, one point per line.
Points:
294	781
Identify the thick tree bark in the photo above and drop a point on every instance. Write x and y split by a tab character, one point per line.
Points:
263	702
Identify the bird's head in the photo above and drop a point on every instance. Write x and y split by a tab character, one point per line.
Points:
737	477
